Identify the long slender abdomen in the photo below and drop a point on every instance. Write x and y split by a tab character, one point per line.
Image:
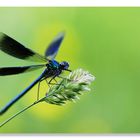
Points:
5	108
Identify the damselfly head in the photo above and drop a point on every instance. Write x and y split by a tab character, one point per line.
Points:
64	65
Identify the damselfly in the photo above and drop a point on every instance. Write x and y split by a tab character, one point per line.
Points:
52	67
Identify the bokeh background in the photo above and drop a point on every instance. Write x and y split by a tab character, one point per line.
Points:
104	41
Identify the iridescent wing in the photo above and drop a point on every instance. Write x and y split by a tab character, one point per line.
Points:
53	48
17	70
10	46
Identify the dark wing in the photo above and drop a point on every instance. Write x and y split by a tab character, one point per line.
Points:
17	70
54	46
15	49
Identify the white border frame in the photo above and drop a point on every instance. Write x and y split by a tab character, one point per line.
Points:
69	3
69	137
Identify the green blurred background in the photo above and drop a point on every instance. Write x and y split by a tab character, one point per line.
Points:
104	41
